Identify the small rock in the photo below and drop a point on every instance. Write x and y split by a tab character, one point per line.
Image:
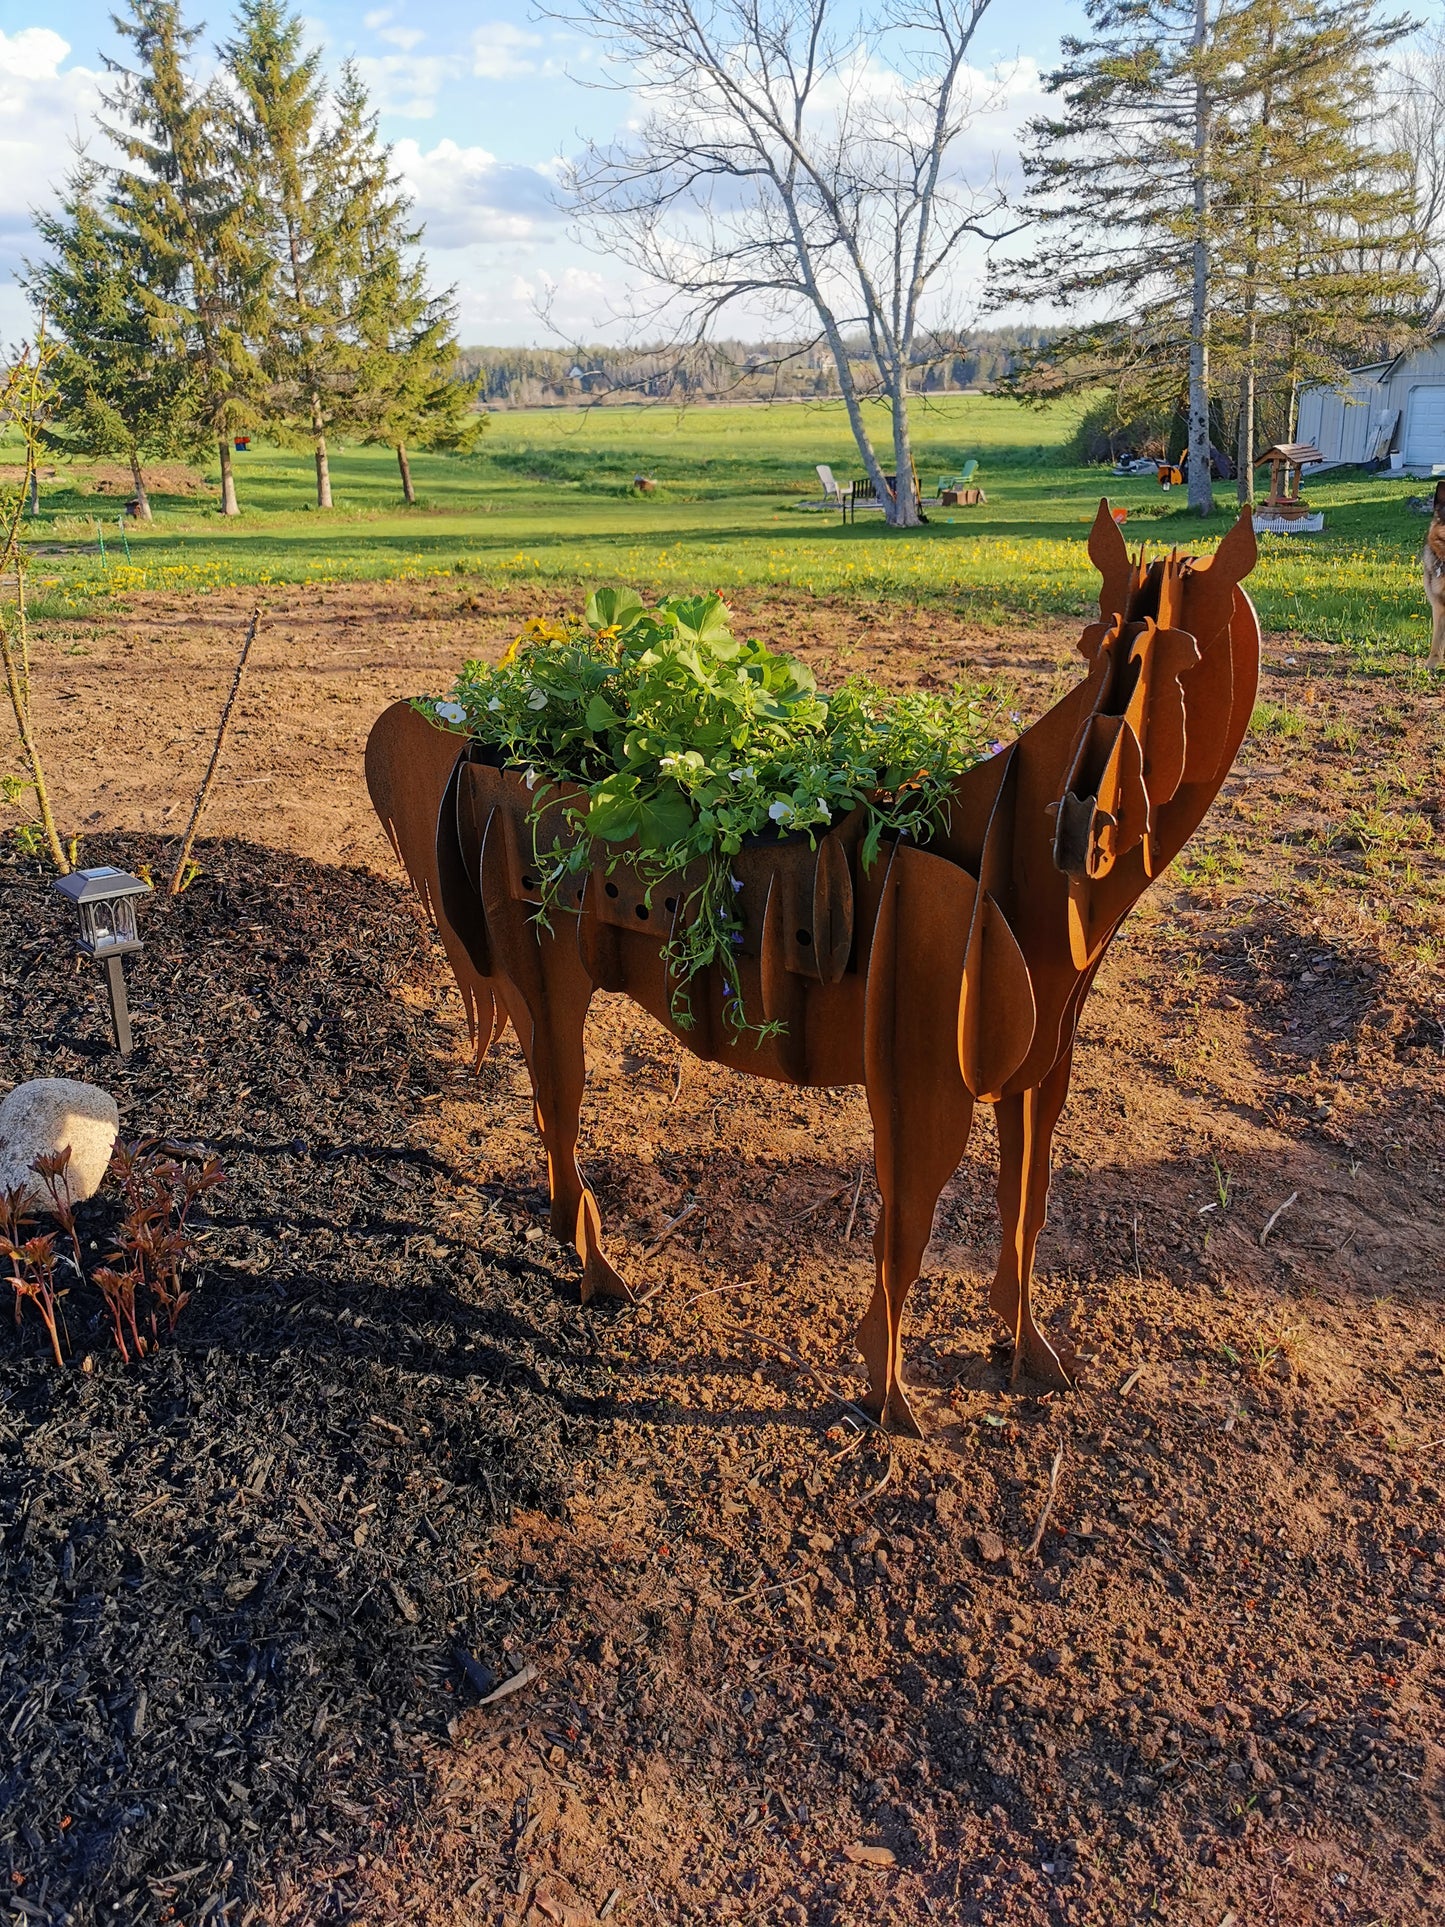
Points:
990	1547
865	1856
40	1119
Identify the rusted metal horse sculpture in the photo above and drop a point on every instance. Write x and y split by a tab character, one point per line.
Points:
943	976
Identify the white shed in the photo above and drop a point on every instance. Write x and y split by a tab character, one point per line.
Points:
1392	408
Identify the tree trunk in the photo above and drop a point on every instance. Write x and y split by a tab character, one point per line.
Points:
34	504
142	500
405	466
1244	446
906	512
323	466
1201	486
228	479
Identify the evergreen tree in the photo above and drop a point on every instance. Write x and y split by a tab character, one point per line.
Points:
1317	220
409	389
117	391
412	391
1168	155
186	202
298	172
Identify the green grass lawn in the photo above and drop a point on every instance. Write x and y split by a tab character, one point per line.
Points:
549	495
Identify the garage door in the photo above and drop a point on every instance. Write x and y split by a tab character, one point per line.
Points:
1425	426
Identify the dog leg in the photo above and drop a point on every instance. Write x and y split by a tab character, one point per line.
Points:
1436	658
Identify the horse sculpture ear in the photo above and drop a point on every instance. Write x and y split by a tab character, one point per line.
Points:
1236	554
1109	554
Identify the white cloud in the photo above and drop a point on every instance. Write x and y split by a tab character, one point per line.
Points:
501	51
43	110
465	195
378	17
406	85
404	37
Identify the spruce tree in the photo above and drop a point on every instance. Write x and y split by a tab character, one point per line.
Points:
412	392
1315	263
408	389
187	204
293	160
1166	158
117	389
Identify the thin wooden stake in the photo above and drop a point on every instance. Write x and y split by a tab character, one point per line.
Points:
177	879
1038	1539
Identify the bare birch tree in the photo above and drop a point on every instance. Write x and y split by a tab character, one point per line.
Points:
800	156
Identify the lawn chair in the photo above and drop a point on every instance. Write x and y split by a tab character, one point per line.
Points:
833	496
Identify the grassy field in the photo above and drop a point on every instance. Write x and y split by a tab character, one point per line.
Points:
550	495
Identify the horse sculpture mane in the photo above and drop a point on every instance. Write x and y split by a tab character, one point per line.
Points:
943	976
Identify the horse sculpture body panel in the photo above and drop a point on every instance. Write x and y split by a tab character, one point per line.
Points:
943	976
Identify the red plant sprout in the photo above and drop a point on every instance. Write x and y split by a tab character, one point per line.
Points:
118	1290
53	1170
14	1217
37	1283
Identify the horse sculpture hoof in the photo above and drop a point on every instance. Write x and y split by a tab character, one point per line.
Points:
1054	1366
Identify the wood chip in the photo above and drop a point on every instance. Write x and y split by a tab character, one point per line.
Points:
510	1686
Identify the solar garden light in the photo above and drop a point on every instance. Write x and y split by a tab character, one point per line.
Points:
105	900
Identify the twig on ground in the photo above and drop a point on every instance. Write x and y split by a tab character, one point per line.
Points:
671	1226
832	1197
1138	1268
777	1585
677	1081
796	1358
714	1291
857	1194
222	729
1053	1492
1131	1381
1292	1199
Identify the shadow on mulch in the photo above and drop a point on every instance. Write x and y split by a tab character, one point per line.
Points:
234	1580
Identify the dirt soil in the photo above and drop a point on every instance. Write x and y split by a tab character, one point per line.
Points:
769	1666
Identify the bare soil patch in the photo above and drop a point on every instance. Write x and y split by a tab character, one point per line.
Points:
784	1671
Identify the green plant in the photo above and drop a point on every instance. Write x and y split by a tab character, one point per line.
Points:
687	743
1277	719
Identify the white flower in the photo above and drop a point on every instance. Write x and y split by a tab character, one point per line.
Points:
537	699
779	811
495	703
451	712
822	807
671	764
530	779
743	775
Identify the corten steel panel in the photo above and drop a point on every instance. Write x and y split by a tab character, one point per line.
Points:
939	978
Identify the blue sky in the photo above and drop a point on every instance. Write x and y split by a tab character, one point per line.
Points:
479	102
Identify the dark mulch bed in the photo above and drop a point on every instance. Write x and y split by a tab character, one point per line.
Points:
229	1597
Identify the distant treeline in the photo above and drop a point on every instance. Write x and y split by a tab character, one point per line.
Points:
727	370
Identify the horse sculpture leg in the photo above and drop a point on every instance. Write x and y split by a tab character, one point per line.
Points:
547	992
922	1110
1025	1132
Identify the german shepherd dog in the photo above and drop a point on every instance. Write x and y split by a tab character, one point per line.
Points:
1432	563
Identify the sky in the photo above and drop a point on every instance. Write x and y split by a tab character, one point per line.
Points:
480	103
